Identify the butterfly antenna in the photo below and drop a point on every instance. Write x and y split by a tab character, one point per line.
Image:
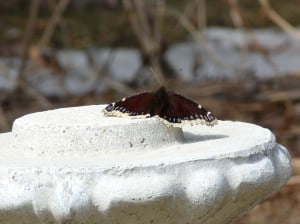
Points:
158	76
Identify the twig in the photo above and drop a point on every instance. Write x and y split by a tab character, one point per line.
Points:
185	23
235	14
236	17
198	37
118	86
280	96
295	180
155	71
36	95
21	84
278	20
237	20
35	5
139	29
54	20
142	16
201	14
296	166
143	29
100	71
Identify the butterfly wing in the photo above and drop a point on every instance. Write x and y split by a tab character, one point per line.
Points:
137	105
181	110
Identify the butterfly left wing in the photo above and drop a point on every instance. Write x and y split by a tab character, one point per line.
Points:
137	105
181	110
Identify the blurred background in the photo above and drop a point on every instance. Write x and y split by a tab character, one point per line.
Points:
240	59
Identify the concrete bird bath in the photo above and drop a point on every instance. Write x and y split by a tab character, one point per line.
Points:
73	165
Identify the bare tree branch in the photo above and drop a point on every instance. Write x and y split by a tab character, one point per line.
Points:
197	36
142	38
158	20
21	83
201	13
101	73
235	14
278	20
142	16
35	5
54	20
237	19
147	34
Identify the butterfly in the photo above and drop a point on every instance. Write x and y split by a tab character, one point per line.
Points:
171	108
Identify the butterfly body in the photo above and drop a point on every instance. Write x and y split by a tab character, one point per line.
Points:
159	103
172	108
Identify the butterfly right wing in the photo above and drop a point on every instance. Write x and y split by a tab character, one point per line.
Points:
137	105
182	110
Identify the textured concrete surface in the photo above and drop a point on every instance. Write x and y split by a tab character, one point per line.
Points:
200	175
83	131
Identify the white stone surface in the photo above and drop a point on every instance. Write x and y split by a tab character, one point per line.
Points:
79	77
48	82
221	55
100	57
270	39
80	82
182	58
71	59
84	132
202	175
124	64
8	74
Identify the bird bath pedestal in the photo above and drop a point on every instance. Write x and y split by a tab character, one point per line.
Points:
73	165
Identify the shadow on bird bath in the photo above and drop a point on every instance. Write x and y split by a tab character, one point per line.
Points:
190	137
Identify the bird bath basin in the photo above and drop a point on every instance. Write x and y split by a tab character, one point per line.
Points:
72	165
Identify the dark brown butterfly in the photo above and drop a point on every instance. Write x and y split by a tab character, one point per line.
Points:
172	108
